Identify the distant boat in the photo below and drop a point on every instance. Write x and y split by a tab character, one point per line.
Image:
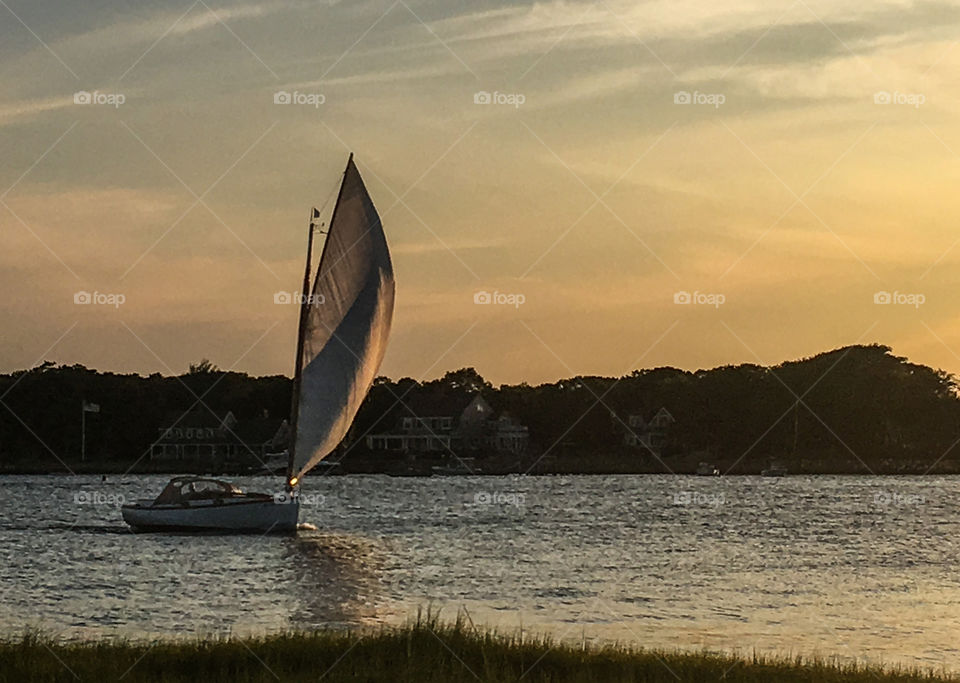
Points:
272	463
705	469
345	318
774	470
276	463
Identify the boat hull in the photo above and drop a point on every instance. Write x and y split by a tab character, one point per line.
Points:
253	516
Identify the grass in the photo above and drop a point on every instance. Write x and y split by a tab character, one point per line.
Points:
424	651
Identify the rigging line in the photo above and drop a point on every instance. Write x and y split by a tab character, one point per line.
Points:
333	215
333	191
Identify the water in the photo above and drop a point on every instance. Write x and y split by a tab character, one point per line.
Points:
838	566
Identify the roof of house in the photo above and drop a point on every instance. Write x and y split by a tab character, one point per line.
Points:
663	413
451	405
256	431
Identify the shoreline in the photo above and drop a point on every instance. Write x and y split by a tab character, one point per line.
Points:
603	462
425	650
226	473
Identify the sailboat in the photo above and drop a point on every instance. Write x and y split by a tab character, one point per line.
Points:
342	337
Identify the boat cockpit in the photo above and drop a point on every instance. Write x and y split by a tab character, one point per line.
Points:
182	490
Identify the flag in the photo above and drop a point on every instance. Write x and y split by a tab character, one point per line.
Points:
91	407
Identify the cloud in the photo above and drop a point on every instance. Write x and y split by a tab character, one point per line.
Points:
798	94
13	112
124	31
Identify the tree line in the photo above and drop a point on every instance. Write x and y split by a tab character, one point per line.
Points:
861	404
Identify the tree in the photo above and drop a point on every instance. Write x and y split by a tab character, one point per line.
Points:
204	367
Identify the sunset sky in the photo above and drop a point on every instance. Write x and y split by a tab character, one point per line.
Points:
814	168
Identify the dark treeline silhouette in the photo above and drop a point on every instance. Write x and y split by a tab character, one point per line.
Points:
854	409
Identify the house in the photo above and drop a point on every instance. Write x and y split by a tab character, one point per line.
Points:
651	434
452	424
202	434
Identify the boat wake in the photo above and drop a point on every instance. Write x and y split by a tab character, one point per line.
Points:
306	526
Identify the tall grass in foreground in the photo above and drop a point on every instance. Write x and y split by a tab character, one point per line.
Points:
424	651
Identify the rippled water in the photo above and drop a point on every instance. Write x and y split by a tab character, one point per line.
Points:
848	566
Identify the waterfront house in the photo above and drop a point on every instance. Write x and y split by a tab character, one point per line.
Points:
205	435
461	423
650	435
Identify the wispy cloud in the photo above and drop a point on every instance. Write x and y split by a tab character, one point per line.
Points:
28	109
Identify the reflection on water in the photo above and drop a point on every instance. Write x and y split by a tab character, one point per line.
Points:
336	579
847	566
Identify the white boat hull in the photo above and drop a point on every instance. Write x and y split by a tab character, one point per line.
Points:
251	516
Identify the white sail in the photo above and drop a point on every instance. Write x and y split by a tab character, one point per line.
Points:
345	333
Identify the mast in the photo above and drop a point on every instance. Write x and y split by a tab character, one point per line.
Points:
304	311
304	314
